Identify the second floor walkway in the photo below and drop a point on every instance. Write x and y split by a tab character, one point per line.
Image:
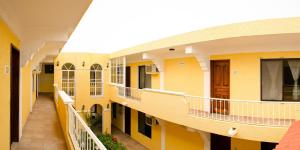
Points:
42	130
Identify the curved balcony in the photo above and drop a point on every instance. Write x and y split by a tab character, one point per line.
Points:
267	121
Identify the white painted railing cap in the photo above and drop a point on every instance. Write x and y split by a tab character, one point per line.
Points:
65	97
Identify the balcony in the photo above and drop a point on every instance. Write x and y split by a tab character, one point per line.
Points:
214	115
77	133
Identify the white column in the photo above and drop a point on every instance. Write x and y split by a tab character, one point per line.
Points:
162	124
206	139
206	87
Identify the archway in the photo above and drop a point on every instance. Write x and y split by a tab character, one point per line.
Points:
95	119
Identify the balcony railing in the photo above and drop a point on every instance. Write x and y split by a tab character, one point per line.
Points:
74	127
130	93
252	112
264	113
82	136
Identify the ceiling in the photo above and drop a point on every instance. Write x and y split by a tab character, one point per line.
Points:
246	44
42	25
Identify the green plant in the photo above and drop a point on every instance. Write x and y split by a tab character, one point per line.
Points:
110	142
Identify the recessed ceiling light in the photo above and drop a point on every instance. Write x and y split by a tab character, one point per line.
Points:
171	49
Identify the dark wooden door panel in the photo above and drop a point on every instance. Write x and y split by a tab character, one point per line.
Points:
14	94
219	142
220	86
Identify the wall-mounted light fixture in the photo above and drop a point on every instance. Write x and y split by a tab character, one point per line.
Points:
57	63
107	65
107	106
83	63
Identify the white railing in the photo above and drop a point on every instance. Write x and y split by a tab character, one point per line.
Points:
130	93
81	135
267	113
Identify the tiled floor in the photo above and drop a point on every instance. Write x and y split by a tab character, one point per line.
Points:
42	130
129	143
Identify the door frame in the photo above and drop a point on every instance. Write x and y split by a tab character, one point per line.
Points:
212	81
19	99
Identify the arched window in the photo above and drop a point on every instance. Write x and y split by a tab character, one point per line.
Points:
96	82
68	79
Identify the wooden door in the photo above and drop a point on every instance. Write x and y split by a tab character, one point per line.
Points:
220	81
127	120
14	94
219	142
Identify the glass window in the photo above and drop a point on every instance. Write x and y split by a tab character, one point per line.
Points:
117	70
280	79
96	84
144	128
68	79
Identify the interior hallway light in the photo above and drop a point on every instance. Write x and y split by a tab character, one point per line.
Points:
83	63
171	49
57	63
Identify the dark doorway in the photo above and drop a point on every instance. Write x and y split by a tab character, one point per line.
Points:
128	79
220	81
144	79
267	146
127	120
219	142
14	94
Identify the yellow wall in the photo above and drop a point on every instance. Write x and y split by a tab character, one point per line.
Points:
184	75
82	82
154	142
134	71
178	138
245	72
26	91
6	39
46	81
240	144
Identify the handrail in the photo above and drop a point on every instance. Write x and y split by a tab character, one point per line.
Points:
254	112
81	135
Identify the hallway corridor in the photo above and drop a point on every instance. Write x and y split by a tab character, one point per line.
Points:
42	130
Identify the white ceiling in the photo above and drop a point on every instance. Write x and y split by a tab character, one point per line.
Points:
38	22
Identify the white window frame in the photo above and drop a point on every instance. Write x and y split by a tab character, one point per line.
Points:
67	81
93	84
118	71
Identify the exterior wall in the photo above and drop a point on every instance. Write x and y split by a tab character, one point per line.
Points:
6	39
178	138
154	142
46	81
184	75
240	144
82	82
245	70
134	75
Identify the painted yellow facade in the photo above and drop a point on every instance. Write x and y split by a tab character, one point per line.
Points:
6	39
183	76
46	81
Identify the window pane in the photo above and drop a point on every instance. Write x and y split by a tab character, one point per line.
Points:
64	75
291	80
71	74
92	75
272	79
